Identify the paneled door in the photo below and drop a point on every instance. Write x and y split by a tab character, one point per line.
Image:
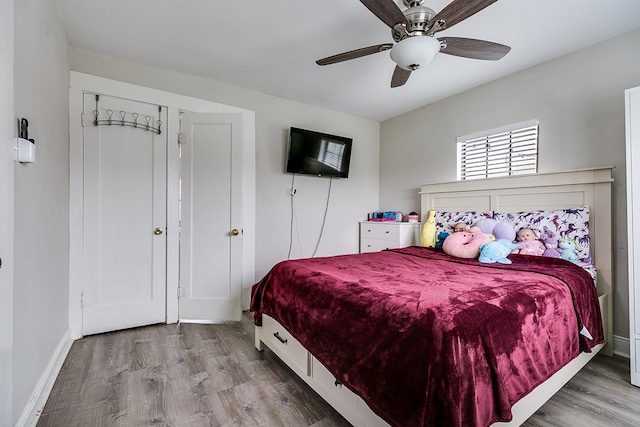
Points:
210	217
632	118
124	215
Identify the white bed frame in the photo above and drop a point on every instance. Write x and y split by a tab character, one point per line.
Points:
560	190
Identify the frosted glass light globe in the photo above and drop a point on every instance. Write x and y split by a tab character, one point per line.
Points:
414	52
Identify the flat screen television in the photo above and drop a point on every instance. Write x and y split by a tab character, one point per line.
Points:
319	154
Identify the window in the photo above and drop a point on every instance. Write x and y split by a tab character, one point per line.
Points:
511	150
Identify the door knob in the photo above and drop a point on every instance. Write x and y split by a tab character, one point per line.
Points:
157	231
235	232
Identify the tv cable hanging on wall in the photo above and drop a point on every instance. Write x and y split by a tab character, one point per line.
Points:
295	222
324	218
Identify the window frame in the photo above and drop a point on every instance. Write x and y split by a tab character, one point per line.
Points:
504	138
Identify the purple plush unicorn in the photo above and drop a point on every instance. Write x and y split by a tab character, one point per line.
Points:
548	237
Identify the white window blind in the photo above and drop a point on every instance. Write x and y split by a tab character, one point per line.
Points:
511	150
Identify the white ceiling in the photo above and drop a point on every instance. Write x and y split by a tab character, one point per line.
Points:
271	46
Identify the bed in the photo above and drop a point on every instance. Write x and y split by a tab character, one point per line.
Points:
420	342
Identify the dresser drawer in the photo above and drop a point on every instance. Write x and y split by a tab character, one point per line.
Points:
378	236
376	245
379	231
284	345
324	379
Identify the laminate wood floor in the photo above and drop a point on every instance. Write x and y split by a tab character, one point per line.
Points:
211	375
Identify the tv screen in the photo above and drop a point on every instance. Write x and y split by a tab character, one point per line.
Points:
319	154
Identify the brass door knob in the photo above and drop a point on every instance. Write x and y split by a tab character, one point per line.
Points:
235	232
157	231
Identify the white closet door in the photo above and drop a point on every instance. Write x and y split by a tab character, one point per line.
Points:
124	218
211	222
632	99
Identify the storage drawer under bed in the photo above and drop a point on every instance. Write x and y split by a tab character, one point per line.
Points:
280	341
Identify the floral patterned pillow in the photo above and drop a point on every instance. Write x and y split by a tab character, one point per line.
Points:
565	223
445	221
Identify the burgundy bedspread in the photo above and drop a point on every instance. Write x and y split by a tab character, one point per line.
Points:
427	339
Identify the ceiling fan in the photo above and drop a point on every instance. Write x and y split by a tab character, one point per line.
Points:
413	31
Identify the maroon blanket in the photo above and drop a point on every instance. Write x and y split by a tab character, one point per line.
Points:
427	339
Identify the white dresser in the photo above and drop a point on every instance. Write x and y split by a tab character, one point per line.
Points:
377	236
632	101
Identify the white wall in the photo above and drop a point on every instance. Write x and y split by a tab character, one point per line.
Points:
41	278
579	102
351	199
6	211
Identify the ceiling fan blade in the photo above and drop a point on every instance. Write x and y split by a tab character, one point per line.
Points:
387	11
353	54
400	76
472	48
457	11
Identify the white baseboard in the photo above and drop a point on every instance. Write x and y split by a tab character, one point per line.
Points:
621	346
33	409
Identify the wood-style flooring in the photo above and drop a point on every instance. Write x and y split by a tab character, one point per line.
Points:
189	375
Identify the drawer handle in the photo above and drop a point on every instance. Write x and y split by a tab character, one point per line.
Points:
387	231
337	383
282	340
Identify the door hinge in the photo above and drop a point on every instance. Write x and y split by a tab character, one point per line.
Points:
82	119
179	289
181	138
82	300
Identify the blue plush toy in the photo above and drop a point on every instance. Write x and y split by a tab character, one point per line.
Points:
569	250
497	251
440	238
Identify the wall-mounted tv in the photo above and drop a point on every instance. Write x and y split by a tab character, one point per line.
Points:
319	154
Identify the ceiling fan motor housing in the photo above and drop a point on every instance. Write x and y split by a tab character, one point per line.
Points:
418	18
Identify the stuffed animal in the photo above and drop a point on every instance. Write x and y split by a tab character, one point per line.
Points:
529	243
501	230
497	251
569	250
440	238
428	236
486	225
530	247
550	241
465	244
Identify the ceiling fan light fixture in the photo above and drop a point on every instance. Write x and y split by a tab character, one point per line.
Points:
415	52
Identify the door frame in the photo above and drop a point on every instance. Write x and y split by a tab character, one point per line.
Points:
175	103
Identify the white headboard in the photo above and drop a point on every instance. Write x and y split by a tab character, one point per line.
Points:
558	190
